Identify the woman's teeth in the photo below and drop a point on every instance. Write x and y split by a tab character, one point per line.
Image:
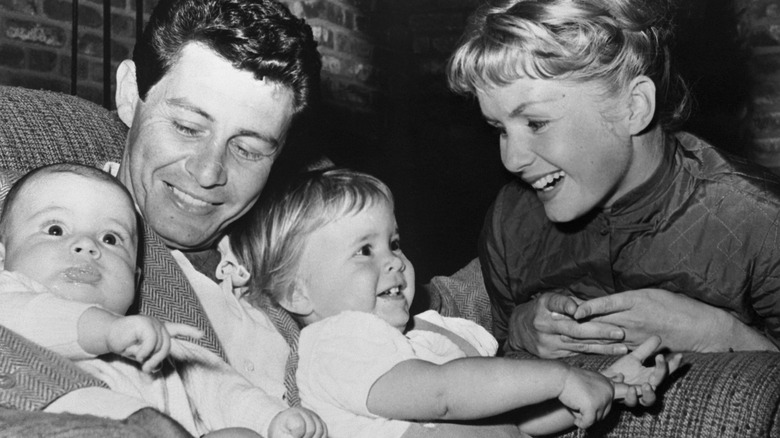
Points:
548	181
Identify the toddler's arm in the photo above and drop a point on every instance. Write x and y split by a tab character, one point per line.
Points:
473	388
481	387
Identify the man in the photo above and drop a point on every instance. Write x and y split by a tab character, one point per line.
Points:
209	97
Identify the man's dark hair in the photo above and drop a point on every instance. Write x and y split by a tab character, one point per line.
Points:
259	36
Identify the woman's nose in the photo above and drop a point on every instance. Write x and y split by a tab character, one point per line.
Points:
515	153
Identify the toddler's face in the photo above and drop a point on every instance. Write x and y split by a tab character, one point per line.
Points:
356	263
78	237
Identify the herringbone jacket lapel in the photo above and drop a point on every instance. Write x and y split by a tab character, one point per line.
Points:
166	294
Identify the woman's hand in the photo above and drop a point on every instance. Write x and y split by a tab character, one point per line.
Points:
683	323
546	328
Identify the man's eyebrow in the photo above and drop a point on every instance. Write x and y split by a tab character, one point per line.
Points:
183	104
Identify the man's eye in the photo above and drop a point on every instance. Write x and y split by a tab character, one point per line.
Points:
54	230
187	131
364	250
110	239
252	153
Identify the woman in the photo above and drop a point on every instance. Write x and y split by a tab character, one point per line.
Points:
616	228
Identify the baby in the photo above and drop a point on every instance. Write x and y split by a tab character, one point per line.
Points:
68	247
330	251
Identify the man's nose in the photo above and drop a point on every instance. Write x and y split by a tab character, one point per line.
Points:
207	166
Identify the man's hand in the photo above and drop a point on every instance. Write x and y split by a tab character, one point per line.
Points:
145	339
683	323
636	383
297	423
546	327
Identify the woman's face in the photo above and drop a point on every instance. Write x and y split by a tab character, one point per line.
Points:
567	140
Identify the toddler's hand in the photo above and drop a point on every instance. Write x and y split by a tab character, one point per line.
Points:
297	423
145	339
635	383
587	395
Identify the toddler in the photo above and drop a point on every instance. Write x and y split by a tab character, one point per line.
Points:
330	251
68	247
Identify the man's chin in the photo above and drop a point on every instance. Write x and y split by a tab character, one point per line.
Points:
184	236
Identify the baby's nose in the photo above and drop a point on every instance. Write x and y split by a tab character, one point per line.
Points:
85	247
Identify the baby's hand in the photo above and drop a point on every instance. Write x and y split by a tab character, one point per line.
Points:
635	383
587	395
297	423
145	339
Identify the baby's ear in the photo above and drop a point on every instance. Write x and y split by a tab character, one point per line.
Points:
297	301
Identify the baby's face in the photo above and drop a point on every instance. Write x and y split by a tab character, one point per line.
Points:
77	236
356	263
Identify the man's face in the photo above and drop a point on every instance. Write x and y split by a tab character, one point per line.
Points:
77	236
201	146
356	263
567	140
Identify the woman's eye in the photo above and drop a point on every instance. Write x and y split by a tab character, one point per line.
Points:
500	130
54	230
536	125
110	239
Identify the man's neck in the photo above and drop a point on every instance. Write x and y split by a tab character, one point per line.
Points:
205	261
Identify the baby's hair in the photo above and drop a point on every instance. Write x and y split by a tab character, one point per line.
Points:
272	239
51	169
610	41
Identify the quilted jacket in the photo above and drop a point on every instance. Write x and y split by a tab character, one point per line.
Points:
704	225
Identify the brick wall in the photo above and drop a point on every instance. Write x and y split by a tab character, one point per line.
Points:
35	45
759	28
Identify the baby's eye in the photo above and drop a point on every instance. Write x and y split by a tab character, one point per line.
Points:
364	250
54	230
395	245
110	239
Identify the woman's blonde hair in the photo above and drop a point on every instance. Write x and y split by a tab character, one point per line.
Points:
272	238
610	41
